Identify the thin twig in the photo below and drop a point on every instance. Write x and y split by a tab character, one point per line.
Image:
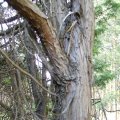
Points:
25	72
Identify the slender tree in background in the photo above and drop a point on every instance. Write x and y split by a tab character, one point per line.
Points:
61	32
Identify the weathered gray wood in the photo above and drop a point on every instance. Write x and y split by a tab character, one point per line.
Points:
72	71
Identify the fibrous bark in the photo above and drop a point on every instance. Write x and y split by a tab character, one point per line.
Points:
71	57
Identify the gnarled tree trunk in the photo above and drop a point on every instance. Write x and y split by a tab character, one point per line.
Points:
68	46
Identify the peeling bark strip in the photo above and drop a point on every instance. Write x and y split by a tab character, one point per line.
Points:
39	21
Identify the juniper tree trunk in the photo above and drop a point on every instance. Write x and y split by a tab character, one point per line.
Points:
68	46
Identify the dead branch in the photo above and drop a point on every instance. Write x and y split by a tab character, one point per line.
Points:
15	28
25	72
2	20
112	110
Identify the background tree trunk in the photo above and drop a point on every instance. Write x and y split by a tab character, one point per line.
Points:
39	95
